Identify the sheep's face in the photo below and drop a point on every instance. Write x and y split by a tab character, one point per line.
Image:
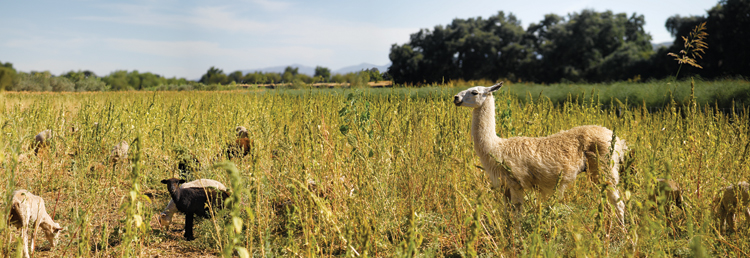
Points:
475	97
52	233
173	183
165	220
241	131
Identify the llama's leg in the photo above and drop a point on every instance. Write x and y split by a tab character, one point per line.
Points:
592	166
614	198
516	200
189	226
730	220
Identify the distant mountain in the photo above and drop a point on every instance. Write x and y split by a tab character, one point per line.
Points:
656	46
303	69
362	66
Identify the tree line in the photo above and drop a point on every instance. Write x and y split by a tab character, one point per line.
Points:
588	46
290	75
214	78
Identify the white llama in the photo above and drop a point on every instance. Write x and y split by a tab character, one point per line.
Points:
541	163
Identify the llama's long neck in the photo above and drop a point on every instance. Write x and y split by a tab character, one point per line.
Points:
483	127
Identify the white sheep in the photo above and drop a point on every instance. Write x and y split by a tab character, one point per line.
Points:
27	209
541	163
41	140
120	152
166	216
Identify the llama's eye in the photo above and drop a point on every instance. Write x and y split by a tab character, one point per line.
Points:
474	92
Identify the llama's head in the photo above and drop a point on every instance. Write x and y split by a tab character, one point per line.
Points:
474	97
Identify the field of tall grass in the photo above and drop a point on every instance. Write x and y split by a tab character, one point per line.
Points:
359	172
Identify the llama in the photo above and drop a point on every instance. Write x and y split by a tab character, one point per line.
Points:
41	140
166	216
728	202
194	201
241	145
27	209
541	163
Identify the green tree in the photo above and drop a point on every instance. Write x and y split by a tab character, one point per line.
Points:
60	83
576	49
214	76
149	80
289	74
7	76
374	74
474	48
323	73
338	78
90	84
236	76
273	77
255	77
118	80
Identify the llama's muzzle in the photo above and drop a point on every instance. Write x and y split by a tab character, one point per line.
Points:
457	100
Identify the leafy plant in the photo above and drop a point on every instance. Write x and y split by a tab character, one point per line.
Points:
693	48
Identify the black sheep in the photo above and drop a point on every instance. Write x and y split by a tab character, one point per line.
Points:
194	200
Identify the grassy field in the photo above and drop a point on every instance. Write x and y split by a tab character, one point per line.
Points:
357	172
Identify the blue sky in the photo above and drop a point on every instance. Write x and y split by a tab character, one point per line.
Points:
185	38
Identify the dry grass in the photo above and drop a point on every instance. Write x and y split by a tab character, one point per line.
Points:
353	172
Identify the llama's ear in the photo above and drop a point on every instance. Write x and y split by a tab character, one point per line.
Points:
182	181
164	181
496	87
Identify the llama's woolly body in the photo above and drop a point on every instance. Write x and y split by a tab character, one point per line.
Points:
542	163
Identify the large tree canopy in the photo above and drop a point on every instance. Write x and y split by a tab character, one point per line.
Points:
586	46
465	49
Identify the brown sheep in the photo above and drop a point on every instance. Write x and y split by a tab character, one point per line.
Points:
241	145
729	201
670	189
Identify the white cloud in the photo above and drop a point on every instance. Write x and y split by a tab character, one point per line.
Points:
222	18
272	5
